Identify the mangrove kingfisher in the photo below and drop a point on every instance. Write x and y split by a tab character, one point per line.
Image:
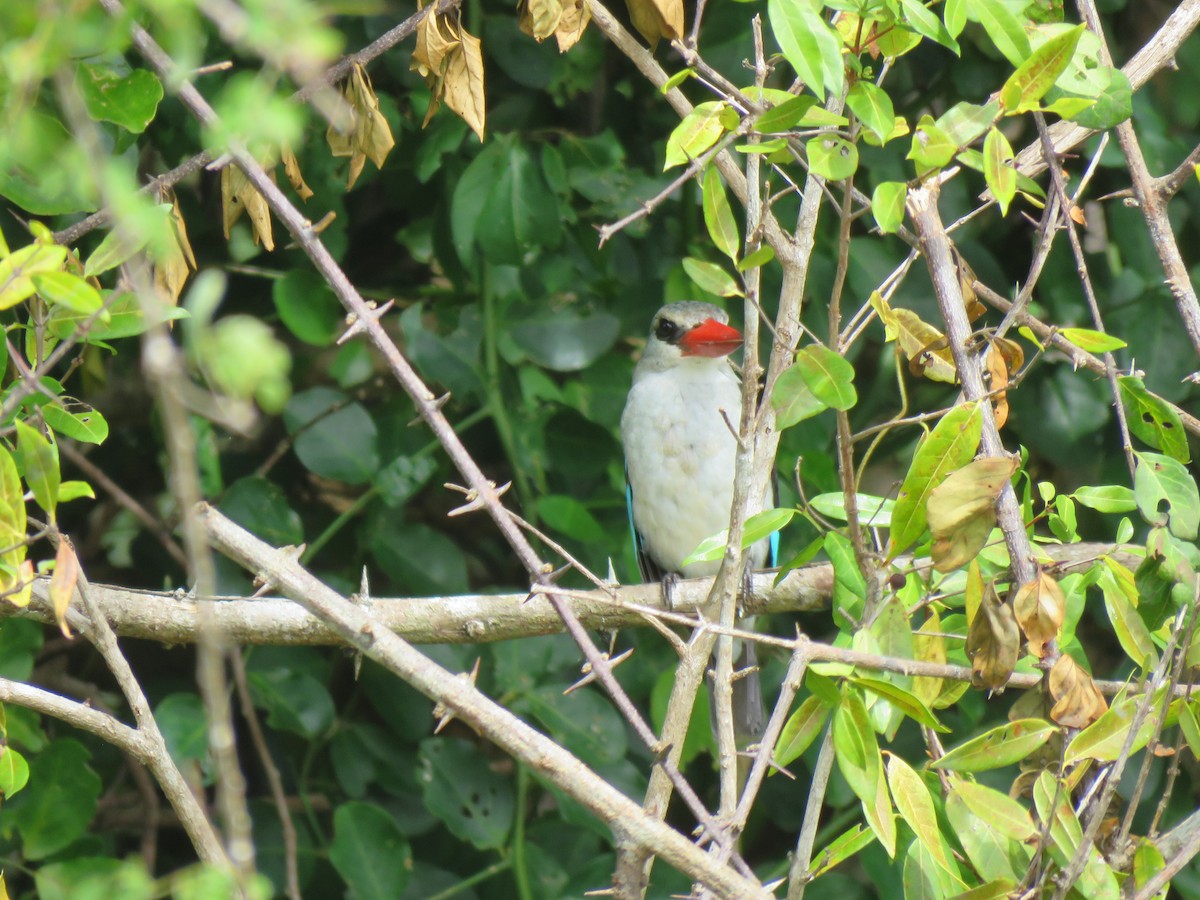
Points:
680	453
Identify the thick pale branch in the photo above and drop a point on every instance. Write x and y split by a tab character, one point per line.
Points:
173	618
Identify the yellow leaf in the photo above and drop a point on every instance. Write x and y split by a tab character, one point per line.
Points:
656	19
172	270
925	347
929	646
291	168
539	18
464	83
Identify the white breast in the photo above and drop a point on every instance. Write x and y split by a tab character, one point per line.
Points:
680	457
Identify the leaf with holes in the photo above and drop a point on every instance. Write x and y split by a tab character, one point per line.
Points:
1166	494
459	787
832	157
1153	419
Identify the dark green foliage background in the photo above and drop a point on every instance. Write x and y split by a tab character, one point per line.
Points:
504	300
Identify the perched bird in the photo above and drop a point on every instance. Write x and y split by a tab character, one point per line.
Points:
680	453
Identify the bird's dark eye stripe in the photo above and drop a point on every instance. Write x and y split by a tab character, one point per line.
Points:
666	330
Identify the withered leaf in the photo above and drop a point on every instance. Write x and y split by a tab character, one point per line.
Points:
961	510
1039	606
993	642
997	371
291	168
171	271
62	583
539	18
368	135
656	19
238	195
1077	701
575	18
966	283
464	83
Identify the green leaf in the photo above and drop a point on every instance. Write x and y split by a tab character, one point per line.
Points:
1114	99
68	290
793	400
931	148
841	849
14	771
855	746
786	115
460	788
964	122
699	130
887	205
948	447
370	852
1037	74
295	701
1160	480
184	724
117	247
873	107
564	514
677	79
334	436
1131	631
1106	498
60	805
903	700
126	100
999	747
710	277
759	257
832	157
1153	419
1003	27
565	341
828	375
18	268
1092	341
75	490
927	24
915	806
955	15
998	169
76	420
800	730
1103	739
39	459
874	512
584	722
1004	814
261	507
308	307
718	216
758	526
812	48
849	585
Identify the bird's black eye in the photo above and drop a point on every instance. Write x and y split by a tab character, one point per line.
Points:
666	330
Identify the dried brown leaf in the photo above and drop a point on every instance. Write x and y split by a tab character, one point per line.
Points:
575	18
997	371
993	642
1077	701
1040	607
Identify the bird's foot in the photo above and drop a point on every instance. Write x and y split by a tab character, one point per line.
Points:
669	582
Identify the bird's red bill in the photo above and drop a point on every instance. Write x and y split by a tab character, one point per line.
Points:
710	338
